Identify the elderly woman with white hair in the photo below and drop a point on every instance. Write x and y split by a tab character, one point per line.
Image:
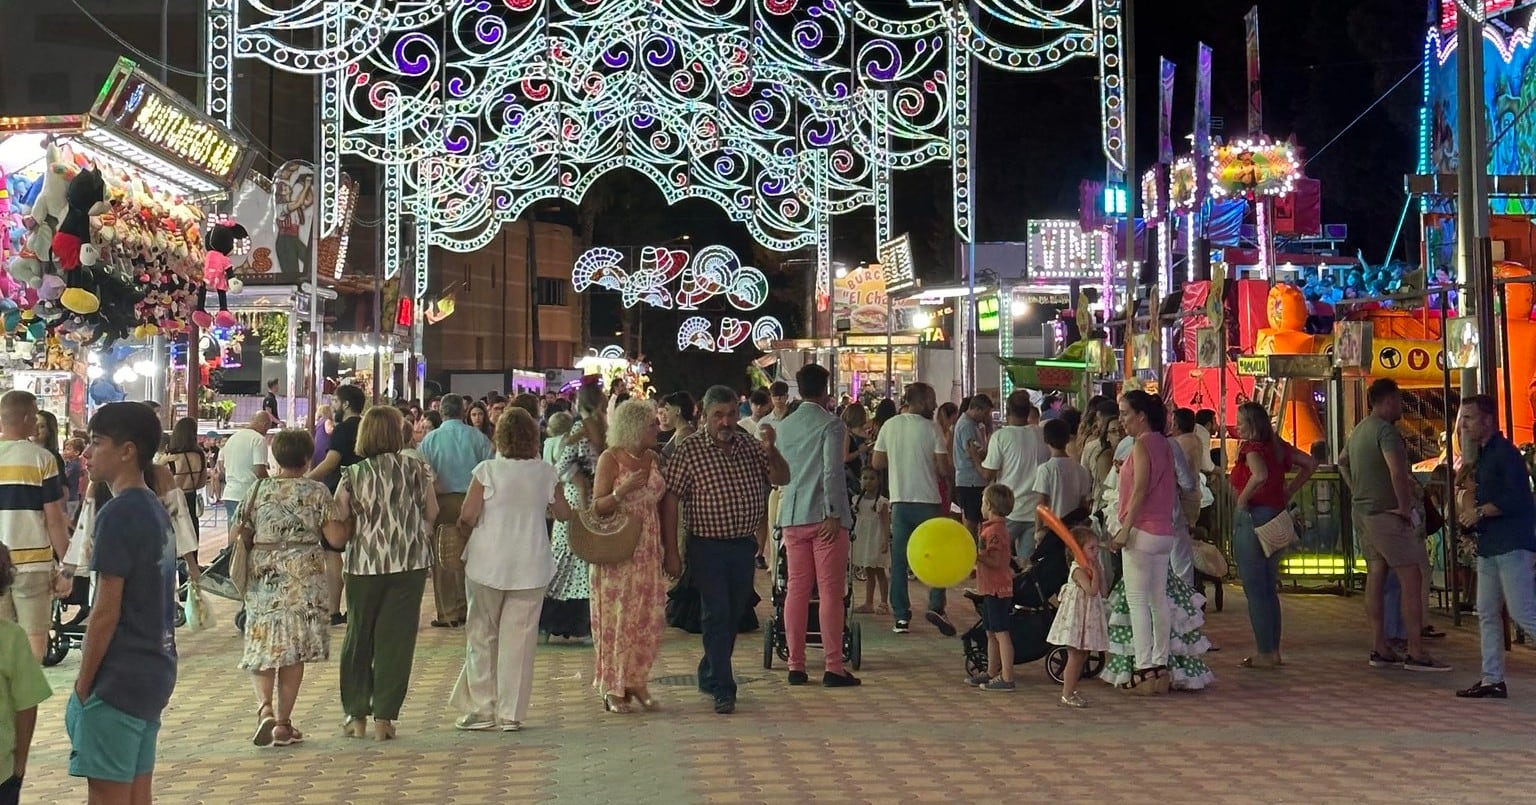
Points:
629	597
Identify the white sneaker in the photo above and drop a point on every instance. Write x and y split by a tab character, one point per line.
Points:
474	721
511	726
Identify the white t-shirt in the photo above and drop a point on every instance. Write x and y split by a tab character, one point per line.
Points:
910	443
241	455
509	548
1066	482
749	425
1015	452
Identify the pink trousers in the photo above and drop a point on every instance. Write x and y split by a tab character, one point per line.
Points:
814	560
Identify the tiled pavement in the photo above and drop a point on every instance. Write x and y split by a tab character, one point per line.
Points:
1326	728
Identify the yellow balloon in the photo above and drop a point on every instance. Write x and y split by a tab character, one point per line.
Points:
941	552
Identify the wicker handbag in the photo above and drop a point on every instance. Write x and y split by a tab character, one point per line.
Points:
600	540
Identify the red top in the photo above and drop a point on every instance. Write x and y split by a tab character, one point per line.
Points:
1272	492
993	575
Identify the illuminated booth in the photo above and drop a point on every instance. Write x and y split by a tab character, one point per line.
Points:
163	165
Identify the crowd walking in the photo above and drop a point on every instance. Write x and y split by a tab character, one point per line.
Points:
499	523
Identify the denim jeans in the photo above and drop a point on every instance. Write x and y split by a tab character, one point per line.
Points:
1510	580
1392	608
722	569
1260	575
905	518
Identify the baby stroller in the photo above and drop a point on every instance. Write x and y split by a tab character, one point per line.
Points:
1033	613
774	641
66	631
215	580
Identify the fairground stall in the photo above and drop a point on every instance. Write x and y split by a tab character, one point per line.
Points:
105	216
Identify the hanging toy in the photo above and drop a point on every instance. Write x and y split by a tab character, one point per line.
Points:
216	268
86	191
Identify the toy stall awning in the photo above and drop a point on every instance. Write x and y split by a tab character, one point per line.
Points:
138	122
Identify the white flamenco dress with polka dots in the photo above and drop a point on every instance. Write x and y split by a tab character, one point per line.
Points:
1186	645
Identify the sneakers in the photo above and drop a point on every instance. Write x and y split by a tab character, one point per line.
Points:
1429	664
1484	691
1074	700
941	623
978	680
798	678
999	685
725	705
511	726
1378	660
843	680
474	721
902	627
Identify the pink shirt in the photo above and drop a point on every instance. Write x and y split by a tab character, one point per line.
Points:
1156	515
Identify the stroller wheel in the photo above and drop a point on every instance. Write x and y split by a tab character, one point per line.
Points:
58	644
853	647
768	646
1056	664
975	655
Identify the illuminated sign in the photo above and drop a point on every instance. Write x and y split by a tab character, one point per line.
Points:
155	117
1253	365
1487	8
1060	249
896	262
987	314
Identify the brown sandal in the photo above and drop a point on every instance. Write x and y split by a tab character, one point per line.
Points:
283	734
266	721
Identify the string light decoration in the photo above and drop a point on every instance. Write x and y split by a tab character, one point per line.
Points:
784	113
695	334
1184	189
713	271
1060	249
1253	168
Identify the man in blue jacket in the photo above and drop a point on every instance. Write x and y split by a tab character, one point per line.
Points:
815	517
1504	522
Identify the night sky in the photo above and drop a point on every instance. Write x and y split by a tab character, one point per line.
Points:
1324	62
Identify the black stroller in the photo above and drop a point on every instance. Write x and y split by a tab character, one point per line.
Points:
66	631
1033	613
774	641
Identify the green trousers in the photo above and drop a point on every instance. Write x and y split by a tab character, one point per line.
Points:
383	614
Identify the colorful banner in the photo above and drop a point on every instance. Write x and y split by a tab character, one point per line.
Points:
1165	114
1255	89
1203	102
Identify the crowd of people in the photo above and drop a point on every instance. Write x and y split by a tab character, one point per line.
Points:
343	525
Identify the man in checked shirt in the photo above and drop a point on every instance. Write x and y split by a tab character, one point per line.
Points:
720	477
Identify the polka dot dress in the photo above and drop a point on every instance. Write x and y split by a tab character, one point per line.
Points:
1186	646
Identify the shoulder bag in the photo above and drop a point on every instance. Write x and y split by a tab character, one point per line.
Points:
1278	534
240	557
600	540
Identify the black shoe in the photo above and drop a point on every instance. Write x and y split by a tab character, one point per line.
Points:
1429	664
798	678
1378	660
1482	691
941	623
1431	633
902	627
725	705
338	618
843	680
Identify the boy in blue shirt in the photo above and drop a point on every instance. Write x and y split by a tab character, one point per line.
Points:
128	663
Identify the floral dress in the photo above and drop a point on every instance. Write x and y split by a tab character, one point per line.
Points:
1186	646
629	598
565	612
287	607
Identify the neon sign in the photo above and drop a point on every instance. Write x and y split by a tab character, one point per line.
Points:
135	105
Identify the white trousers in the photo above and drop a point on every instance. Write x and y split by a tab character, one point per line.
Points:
501	629
1146	594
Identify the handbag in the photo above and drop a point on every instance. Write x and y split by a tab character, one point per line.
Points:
240	558
600	540
1209	560
1278	534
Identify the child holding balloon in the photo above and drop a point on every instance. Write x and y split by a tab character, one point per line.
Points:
1080	623
994	580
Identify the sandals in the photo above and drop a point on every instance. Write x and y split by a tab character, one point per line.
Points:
1259	663
266	722
355	726
383	730
613	703
863	609
1149	681
883	609
647	702
285	735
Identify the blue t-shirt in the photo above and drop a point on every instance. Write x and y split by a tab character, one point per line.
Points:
966	471
135	542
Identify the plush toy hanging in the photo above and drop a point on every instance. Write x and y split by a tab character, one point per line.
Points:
85	192
216	266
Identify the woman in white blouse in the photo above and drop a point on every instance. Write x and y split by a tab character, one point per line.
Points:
507	565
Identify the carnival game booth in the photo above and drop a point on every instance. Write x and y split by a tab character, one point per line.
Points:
104	218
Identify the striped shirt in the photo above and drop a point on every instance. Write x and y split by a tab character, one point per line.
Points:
29	479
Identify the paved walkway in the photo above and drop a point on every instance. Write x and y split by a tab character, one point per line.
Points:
1326	728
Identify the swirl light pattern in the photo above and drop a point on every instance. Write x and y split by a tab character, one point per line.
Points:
784	113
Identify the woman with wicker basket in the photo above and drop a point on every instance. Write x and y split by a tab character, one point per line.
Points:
629	596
